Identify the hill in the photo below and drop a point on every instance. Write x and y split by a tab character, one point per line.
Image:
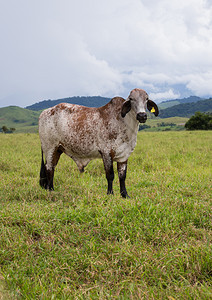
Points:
95	101
170	103
187	109
20	118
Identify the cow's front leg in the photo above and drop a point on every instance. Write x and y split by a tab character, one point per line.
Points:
108	165
122	171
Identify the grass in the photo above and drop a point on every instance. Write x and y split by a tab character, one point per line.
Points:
79	243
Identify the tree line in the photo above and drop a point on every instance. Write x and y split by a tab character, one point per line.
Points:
4	129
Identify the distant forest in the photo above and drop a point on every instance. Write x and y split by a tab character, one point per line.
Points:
95	101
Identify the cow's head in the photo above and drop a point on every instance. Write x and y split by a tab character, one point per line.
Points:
138	101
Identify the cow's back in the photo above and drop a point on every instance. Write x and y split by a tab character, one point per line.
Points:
73	127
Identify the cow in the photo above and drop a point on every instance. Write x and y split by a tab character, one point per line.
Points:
85	133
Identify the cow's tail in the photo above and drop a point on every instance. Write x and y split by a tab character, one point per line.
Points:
43	175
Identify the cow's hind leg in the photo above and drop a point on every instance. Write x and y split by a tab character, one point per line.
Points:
43	175
47	170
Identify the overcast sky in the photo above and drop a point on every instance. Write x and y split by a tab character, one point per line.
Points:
53	49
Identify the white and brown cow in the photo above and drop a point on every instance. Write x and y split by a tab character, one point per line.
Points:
108	132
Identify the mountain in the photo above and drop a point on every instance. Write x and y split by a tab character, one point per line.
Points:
170	103
95	101
187	109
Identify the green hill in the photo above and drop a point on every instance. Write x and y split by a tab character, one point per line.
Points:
23	120
187	109
164	105
170	103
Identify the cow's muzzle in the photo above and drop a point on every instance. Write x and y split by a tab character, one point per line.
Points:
141	117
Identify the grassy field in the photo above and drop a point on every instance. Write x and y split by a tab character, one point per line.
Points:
176	120
155	124
79	243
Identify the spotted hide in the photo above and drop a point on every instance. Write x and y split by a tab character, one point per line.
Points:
108	132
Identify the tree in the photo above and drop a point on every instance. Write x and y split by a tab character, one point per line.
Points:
5	129
200	121
142	127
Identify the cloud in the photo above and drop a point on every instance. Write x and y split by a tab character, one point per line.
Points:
200	84
96	47
164	95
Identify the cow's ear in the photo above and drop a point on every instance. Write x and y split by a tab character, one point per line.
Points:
126	107
152	107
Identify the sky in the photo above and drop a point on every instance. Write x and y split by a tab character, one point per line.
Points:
52	49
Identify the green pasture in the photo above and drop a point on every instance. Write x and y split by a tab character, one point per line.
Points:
79	243
176	120
155	124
